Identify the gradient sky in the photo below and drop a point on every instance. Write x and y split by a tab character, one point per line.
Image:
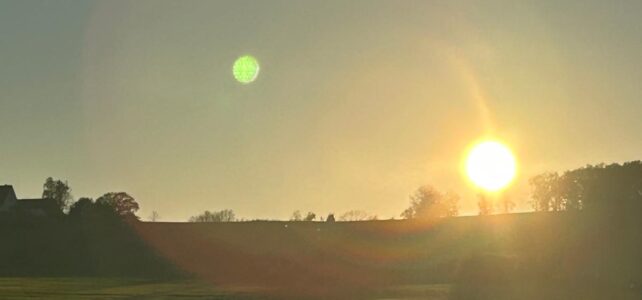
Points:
357	103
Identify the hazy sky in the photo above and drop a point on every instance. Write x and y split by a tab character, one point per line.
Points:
357	102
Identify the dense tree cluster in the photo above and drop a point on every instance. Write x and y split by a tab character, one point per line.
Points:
226	215
108	205
604	188
121	203
118	204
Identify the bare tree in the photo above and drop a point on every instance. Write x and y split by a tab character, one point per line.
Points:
154	216
354	215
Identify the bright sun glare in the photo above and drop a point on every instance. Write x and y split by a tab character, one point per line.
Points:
490	165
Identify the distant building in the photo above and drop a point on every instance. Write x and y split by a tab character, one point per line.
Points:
31	207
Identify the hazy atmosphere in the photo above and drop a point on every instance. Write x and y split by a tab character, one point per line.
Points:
356	104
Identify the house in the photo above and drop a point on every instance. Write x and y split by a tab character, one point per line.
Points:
9	204
38	207
7	198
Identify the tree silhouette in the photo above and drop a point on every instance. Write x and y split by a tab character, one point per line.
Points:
81	208
505	204
330	218
607	189
310	216
485	205
226	215
122	203
296	216
428	203
57	190
88	210
545	191
354	215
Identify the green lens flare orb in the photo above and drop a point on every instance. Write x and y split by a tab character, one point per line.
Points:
245	69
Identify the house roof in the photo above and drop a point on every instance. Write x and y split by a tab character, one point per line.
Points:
48	205
6	190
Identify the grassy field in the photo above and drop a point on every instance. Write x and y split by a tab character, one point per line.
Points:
114	288
118	288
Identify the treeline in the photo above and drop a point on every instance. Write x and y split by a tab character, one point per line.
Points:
83	238
113	204
587	247
425	203
598	188
607	188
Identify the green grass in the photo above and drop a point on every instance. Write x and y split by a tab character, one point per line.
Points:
115	288
120	288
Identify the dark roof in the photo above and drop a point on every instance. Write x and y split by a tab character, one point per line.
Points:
47	205
6	190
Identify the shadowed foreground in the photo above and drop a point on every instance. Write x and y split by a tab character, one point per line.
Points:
114	288
118	288
528	256
515	256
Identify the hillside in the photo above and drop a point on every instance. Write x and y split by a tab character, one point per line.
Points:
540	246
317	257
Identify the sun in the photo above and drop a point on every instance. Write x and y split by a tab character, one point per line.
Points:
490	165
